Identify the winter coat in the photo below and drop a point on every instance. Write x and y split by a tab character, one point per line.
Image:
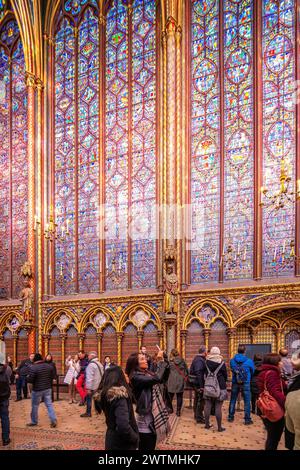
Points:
292	414
5	374
198	369
142	383
254	386
53	365
274	383
41	375
287	367
122	430
222	374
247	364
93	374
23	369
178	372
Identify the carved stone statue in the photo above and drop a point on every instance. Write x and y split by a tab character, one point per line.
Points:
27	301
26	270
170	290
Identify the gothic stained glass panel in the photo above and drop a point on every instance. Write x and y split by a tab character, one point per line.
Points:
19	168
116	142
65	154
2	8
143	196
238	136
205	140
13	159
4	171
88	173
279	127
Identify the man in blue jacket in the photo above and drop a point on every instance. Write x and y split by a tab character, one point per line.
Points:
242	370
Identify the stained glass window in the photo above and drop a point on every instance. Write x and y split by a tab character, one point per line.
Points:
210	121
13	159
205	140
279	127
238	137
2	8
130	145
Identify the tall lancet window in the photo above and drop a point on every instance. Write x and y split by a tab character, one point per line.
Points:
13	158
279	129
105	145
241	50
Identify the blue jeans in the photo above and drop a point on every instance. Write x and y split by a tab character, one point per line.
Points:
246	394
89	400
4	416
21	384
36	398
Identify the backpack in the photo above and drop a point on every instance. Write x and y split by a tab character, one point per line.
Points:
211	383
268	405
240	373
4	385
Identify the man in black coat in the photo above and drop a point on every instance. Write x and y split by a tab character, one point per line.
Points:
41	375
21	377
5	374
198	368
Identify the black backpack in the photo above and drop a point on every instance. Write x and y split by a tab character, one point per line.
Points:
4	384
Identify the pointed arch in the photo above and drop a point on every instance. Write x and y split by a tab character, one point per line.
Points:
222	313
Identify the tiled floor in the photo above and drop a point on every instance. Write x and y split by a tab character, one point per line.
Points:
74	432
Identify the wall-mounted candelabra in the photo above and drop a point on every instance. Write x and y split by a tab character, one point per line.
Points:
52	230
278	199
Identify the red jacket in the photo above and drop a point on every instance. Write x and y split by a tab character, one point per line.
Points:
274	383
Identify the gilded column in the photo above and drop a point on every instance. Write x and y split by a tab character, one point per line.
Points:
31	88
183	334
99	337
206	333
46	339
63	344
40	276
140	335
15	347
231	332
279	333
160	334
81	338
120	335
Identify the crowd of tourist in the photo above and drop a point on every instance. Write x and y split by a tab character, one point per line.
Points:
137	401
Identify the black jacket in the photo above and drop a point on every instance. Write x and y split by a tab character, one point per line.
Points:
122	431
198	369
294	383
52	364
222	374
253	383
23	368
83	365
142	383
41	375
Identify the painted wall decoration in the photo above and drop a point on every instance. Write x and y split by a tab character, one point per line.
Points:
13	159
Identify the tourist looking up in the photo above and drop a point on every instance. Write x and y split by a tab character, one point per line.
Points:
177	378
151	412
41	375
198	369
116	402
269	380
242	370
215	391
93	375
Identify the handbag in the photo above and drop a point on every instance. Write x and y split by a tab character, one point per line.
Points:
268	405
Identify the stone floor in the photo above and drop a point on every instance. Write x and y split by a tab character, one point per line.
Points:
74	432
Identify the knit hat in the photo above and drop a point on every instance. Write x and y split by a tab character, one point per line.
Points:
296	360
215	351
